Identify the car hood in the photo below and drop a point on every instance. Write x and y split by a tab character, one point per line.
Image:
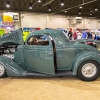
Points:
15	37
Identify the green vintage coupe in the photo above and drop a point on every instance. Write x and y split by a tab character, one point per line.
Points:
48	53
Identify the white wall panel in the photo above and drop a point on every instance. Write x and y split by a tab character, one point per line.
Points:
79	25
98	24
44	20
94	24
87	23
55	21
33	20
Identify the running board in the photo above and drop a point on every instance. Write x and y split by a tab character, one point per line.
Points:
60	73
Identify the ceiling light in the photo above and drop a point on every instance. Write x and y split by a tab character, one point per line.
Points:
8	4
80	7
49	9
39	1
30	7
96	8
79	12
62	3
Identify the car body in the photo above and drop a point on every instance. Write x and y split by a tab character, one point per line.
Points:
48	53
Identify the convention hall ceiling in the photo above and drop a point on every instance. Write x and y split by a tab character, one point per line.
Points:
89	8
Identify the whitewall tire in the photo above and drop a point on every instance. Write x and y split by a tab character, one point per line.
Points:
2	71
88	71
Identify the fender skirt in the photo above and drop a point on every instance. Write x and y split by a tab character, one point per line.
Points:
12	69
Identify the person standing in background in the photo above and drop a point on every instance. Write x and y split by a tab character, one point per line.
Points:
66	33
84	35
89	35
78	35
70	35
93	36
74	34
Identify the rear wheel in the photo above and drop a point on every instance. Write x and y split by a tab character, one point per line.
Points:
89	71
2	71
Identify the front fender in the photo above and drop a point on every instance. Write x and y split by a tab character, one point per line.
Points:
84	57
12	69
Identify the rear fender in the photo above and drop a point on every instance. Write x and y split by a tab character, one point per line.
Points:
12	69
85	57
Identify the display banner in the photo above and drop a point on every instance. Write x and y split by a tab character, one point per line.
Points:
8	23
7	17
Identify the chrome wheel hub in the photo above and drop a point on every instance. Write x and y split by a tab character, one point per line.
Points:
1	70
89	70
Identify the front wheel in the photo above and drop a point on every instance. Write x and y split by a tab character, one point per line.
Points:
2	71
89	71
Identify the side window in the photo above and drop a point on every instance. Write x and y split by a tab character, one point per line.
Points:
38	40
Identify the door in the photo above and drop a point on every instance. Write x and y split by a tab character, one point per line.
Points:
39	54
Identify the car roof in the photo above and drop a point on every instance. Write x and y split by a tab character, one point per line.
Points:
51	32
